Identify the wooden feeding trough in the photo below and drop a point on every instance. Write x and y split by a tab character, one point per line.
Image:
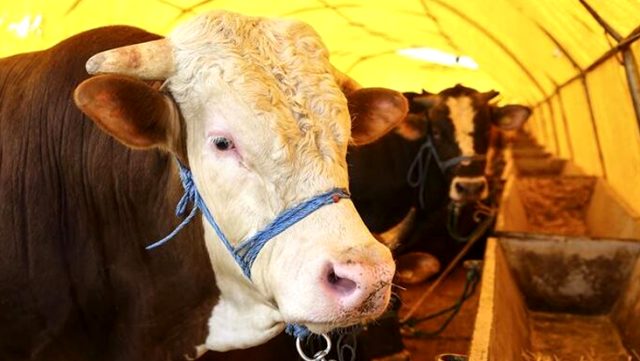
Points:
570	291
530	152
533	161
535	166
557	300
565	205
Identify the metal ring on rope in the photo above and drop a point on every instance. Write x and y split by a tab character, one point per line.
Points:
320	355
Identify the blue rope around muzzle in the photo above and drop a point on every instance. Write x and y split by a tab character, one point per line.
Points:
418	170
247	251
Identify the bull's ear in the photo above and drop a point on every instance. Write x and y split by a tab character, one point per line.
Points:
511	117
374	112
133	112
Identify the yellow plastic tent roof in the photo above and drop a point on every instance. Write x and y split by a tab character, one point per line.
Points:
563	57
522	47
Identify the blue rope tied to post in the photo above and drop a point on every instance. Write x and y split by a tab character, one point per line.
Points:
418	170
247	251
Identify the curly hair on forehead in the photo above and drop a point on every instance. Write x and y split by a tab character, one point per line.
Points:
279	68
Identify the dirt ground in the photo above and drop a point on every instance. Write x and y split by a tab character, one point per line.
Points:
456	338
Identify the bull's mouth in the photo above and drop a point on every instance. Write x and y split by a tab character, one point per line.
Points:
319	328
370	309
461	199
464	201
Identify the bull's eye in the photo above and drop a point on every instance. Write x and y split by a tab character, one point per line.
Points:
221	143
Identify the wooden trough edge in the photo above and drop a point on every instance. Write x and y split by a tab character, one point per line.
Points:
483	326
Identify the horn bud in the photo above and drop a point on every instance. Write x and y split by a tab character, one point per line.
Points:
346	83
152	60
486	96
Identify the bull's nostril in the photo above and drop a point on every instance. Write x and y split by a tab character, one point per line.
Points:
341	285
460	188
332	277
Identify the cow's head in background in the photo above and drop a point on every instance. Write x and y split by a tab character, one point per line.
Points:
256	111
459	123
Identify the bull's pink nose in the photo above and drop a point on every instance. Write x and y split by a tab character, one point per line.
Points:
349	283
342	280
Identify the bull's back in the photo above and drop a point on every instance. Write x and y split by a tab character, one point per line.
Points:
76	209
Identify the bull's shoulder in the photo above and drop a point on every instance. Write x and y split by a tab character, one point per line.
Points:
76	209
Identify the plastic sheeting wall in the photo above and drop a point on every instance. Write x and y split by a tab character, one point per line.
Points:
581	129
544	53
592	122
619	137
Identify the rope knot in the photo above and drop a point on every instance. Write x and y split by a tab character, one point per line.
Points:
296	330
189	191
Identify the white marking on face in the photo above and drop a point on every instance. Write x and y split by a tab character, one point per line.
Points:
462	112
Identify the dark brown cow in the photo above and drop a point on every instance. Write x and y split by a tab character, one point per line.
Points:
447	137
77	209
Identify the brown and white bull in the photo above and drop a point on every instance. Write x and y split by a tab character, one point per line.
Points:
254	108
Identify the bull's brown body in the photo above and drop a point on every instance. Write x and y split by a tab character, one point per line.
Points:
76	210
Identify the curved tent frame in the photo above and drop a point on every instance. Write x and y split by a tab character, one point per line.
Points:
574	61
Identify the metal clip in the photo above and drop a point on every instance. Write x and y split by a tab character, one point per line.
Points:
320	355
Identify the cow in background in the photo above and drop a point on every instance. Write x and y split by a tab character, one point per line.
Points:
456	125
403	183
261	128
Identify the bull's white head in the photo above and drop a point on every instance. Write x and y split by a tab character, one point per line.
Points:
258	114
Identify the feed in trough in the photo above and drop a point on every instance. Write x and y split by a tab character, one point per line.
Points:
556	204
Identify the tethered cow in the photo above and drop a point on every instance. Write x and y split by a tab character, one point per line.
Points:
437	155
251	115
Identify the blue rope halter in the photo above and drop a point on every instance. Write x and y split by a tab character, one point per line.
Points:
247	251
417	175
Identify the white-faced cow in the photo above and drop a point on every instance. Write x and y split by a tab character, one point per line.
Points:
438	154
251	114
